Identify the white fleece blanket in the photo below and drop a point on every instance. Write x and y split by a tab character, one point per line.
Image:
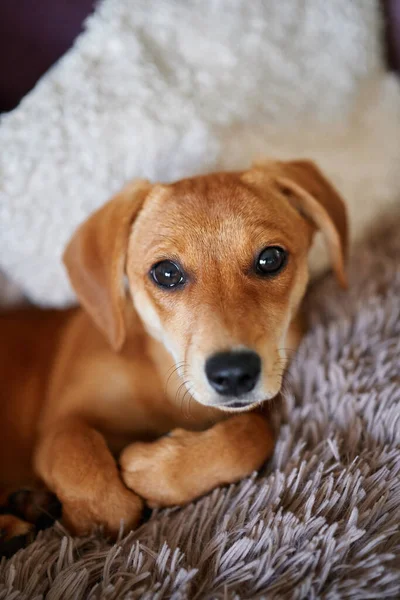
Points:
168	88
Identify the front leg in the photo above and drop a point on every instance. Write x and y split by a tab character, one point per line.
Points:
178	468
75	463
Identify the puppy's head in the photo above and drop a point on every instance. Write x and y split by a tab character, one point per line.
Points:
217	268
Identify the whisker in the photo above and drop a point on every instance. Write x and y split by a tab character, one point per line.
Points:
176	368
178	391
183	402
291	354
190	398
183	384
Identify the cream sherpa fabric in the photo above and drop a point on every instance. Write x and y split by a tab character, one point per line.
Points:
167	88
321	521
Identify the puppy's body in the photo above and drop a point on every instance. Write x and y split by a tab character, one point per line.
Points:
69	371
132	395
29	343
69	401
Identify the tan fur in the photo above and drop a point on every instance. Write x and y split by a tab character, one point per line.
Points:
71	403
11	526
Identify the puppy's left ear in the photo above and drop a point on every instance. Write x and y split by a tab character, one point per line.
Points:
95	260
317	200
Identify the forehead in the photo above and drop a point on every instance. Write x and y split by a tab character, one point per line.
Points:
217	211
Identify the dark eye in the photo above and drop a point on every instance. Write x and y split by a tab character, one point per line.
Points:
271	260
167	274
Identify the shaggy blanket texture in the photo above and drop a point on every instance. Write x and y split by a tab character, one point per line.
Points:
169	88
322	518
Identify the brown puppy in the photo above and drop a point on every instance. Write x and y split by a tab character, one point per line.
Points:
190	296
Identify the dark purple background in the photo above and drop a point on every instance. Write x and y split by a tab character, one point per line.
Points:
35	33
391	9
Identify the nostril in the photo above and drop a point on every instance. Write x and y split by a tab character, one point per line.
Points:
233	373
245	379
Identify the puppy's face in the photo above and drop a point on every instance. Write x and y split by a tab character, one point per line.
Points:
217	268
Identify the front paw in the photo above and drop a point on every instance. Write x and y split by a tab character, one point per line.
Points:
157	470
82	516
175	470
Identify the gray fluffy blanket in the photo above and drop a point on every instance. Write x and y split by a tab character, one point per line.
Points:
320	521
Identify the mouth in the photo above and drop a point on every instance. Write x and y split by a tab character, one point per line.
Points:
236	406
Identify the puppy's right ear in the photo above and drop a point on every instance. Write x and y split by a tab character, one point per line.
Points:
95	260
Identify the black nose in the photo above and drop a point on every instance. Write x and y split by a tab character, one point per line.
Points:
233	373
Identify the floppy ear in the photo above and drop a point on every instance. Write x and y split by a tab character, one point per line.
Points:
318	201
95	260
